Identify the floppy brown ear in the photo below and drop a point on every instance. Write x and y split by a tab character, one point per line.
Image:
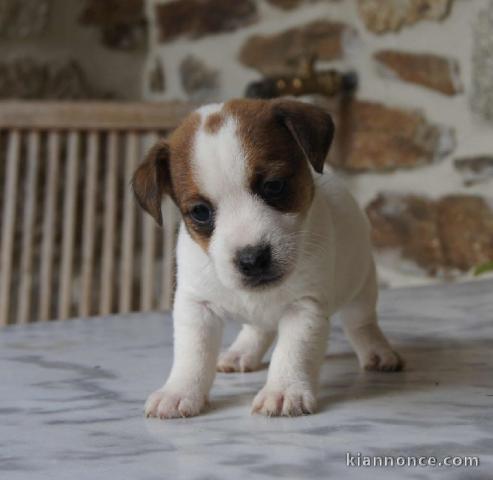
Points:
311	127
152	180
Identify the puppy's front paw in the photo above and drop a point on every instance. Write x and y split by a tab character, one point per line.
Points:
232	361
288	402
169	404
383	360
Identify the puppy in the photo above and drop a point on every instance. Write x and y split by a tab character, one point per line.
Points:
267	239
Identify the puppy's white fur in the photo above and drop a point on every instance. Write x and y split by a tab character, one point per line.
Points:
328	266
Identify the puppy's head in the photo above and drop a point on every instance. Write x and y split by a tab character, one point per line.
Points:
240	174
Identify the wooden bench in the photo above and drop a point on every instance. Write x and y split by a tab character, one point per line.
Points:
73	242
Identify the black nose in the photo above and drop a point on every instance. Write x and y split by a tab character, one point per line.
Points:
254	261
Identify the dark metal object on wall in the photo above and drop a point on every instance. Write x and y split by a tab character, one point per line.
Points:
309	81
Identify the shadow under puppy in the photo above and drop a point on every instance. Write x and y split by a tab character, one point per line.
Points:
266	238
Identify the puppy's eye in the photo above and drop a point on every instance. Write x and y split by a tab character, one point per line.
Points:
201	214
272	189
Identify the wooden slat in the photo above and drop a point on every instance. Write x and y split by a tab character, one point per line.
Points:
70	190
93	115
128	229
148	263
169	238
8	223
30	196
49	207
109	223
89	223
149	247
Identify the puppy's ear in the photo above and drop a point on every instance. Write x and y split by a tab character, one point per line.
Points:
311	127
152	180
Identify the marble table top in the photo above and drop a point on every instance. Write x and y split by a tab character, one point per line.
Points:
72	395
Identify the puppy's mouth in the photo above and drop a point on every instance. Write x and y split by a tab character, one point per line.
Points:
264	281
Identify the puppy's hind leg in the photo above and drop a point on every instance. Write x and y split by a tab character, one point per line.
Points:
360	325
246	352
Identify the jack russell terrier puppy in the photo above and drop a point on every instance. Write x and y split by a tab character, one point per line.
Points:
268	239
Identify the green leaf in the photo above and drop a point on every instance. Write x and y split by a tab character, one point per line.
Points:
483	268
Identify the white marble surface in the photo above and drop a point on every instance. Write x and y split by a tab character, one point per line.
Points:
71	398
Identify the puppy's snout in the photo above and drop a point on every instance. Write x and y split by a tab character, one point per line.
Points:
254	261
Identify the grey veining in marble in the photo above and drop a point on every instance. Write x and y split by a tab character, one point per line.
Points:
72	394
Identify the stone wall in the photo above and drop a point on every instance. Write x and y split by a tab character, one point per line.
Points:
72	49
418	151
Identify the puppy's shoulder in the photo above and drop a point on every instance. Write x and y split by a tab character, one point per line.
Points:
335	197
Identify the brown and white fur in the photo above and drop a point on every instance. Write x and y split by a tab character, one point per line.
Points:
227	159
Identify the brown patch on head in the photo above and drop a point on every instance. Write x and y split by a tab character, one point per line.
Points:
167	169
280	137
214	122
186	192
181	150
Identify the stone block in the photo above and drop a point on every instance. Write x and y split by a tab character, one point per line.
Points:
380	138
199	81
122	23
453	233
474	170
426	69
282	53
382	16
198	18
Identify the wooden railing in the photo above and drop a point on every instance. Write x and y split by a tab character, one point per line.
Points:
72	240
